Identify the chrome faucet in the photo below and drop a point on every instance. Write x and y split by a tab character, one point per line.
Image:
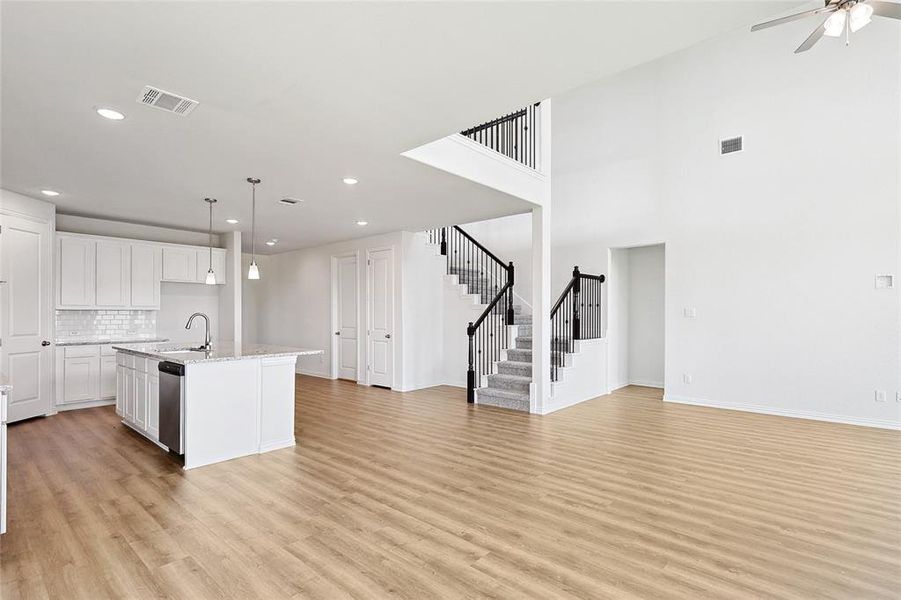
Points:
206	341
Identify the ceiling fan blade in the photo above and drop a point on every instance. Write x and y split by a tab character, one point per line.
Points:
795	17
892	10
813	38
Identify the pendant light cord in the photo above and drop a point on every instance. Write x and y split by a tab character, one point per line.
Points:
253	225
211	236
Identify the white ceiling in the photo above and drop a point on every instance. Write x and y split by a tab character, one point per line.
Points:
300	95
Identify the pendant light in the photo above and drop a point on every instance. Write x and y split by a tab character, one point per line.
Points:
254	271
210	275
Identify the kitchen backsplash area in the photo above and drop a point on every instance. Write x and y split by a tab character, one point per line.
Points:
115	325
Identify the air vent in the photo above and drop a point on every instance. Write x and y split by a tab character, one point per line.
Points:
290	201
730	145
166	101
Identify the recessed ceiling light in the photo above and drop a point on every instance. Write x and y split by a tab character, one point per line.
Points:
272	242
232	221
349	181
362	223
108	113
50	193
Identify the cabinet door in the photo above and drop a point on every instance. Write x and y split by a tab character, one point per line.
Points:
203	265
112	274
129	394
120	390
75	272
153	406
141	399
80	379
108	383
179	264
146	272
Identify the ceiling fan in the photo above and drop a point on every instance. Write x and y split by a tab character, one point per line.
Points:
842	17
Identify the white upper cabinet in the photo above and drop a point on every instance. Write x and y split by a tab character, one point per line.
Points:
180	264
146	272
75	272
113	274
100	272
203	265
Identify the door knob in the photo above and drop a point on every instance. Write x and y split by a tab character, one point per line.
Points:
337	333
387	336
45	343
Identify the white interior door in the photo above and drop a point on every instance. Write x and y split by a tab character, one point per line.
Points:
380	276
346	317
25	314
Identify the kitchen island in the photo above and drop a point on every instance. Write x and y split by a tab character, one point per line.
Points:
209	405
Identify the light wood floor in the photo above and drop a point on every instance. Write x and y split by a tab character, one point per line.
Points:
420	496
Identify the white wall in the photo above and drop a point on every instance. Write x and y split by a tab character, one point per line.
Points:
775	247
618	318
422	296
178	301
252	299
646	315
294	300
136	231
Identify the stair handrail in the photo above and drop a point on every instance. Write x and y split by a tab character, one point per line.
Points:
567	317
472	331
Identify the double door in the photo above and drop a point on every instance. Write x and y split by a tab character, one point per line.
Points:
363	348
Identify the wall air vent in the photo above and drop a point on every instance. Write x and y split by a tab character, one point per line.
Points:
730	145
166	101
290	201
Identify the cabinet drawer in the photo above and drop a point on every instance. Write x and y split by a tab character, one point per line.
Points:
81	351
126	360
107	350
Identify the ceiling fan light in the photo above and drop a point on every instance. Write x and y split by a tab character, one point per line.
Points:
861	14
835	25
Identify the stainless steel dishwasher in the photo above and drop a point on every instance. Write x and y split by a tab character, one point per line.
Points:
172	406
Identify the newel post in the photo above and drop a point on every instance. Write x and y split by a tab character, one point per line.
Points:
510	312
471	372
577	292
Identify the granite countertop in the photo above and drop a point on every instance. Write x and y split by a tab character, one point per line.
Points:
102	341
182	353
5	386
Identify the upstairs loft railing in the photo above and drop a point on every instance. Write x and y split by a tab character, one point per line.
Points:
486	275
515	135
575	316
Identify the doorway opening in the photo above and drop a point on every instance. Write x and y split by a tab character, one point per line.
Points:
636	316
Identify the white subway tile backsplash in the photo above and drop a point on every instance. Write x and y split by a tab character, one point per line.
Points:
76	325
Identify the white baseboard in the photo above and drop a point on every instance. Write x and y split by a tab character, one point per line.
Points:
781	412
319	374
88	404
277	445
617	386
642	383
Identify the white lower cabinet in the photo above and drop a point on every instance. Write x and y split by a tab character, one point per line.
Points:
137	392
85	376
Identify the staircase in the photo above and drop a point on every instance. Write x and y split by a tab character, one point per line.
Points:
510	386
500	339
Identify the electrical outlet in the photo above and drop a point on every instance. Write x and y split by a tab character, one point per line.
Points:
686	378
880	395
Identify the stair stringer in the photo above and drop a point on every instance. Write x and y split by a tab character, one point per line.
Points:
582	377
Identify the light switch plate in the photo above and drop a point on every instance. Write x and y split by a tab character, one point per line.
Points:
686	378
689	312
885	281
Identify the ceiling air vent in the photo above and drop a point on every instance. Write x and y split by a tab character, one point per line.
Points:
166	101
730	145
291	201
